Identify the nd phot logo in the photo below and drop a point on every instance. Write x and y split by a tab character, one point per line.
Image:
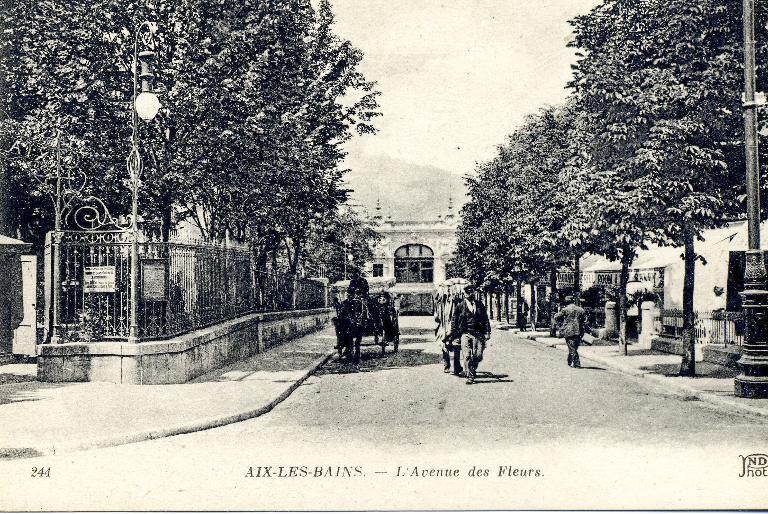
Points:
754	465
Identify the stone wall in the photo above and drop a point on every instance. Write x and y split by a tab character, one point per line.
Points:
177	360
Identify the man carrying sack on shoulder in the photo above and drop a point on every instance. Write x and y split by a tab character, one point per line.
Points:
470	324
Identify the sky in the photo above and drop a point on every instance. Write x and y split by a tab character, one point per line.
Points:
456	76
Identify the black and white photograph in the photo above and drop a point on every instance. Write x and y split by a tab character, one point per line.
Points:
383	255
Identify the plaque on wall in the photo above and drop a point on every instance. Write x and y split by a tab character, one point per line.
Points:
99	279
153	280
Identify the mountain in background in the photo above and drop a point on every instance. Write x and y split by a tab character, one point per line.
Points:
407	191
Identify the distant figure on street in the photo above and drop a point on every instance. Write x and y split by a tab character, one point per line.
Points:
358	285
571	322
470	324
522	318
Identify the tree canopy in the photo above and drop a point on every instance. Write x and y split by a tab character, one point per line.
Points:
257	97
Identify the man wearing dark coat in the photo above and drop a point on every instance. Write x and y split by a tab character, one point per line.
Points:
571	322
358	285
470	324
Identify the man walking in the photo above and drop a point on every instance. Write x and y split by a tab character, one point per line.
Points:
571	322
470	324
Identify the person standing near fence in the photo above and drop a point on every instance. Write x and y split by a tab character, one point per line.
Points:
571	321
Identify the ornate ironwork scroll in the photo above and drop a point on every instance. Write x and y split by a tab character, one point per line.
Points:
90	213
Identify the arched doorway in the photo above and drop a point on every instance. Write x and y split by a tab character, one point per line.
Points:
414	263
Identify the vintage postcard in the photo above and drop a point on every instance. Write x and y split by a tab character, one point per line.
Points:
365	255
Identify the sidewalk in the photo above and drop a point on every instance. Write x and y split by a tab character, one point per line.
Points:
713	383
43	418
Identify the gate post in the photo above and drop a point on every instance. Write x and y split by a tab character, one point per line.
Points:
55	299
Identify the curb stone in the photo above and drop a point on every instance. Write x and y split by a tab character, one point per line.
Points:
724	403
151	434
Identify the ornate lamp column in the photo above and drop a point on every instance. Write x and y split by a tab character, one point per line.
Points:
145	105
753	380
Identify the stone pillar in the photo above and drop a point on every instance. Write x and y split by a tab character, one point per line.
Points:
389	268
439	270
611	320
326	289
11	290
647	325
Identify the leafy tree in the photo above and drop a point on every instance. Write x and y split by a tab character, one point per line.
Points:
334	238
659	80
258	97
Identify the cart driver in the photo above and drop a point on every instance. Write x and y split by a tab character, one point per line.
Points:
358	285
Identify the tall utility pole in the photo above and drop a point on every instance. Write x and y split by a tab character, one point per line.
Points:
753	380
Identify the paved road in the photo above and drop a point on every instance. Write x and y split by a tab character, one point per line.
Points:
529	411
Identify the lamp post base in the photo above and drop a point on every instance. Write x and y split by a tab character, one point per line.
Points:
751	387
753	380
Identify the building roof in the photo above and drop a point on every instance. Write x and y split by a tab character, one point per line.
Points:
11	245
732	237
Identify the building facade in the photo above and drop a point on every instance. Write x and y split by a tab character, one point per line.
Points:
416	254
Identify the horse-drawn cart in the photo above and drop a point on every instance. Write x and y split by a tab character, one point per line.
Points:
365	321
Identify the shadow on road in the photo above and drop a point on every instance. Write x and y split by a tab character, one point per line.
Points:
426	333
13	378
371	360
703	370
486	377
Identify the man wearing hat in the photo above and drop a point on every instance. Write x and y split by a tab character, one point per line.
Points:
571	322
358	284
470	324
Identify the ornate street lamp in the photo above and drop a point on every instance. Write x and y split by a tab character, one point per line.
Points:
145	105
753	380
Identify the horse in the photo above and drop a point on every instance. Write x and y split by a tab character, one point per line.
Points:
356	318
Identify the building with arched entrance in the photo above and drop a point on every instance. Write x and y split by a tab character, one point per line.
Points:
415	254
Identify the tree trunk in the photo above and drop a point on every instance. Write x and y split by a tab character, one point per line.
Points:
532	311
7	227
166	222
626	261
498	306
519	305
489	303
552	301
577	280
6	217
688	365
254	296
506	301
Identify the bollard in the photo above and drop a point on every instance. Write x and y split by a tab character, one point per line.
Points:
647	325
611	320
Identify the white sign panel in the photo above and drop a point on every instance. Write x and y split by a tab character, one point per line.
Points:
99	279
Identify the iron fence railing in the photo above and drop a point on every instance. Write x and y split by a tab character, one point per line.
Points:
710	327
181	287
